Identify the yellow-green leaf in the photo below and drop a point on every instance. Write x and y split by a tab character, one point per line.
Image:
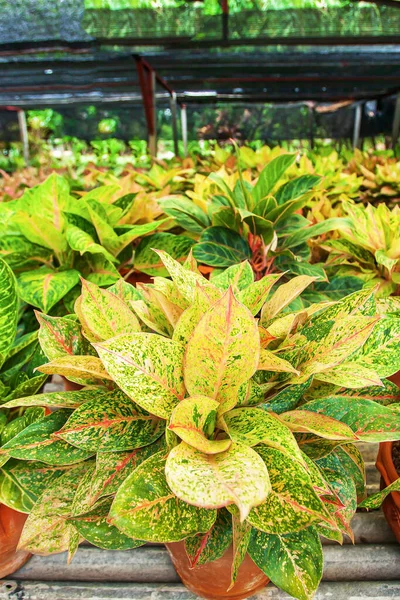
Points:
81	369
284	295
303	421
272	362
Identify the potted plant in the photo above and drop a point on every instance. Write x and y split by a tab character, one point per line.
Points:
212	421
388	464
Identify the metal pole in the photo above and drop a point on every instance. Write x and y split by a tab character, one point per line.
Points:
172	103
396	122
357	125
153	130
23	131
184	128
311	125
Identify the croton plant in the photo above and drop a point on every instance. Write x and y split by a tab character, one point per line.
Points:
210	413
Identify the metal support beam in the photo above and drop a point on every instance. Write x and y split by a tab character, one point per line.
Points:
23	132
311	125
147	81
184	128
225	20
396	122
173	105
153	132
357	125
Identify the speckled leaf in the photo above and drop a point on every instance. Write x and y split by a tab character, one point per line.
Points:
381	351
125	291
387	394
191	316
204	548
82	242
184	279
293	503
193	420
241	539
22	482
146	508
47	530
170	291
353	461
238	276
250	394
45	287
81	369
350	375
361	302
223	352
252	426
60	336
152	316
272	362
57	399
255	295
95	529
8	309
370	422
105	314
112	468
236	476
284	295
288	398
146	261
148	368
293	562
281	328
322	425
110	423
37	442
376	500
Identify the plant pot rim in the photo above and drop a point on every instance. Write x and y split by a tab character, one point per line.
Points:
385	465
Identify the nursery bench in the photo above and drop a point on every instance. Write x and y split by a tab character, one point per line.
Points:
369	569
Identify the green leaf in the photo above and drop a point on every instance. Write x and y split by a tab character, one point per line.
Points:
253	426
134	232
146	508
186	213
47	530
381	351
84	370
105	314
306	233
370	422
236	476
255	295
221	247
272	362
48	200
22	482
37	442
146	261
8	309
271	174
241	539
41	231
44	287
223	352
350	375
19	253
374	501
283	296
82	242
295	188
193	420
148	368
303	421
57	399
293	562
207	547
191	317
60	336
238	276
184	279
293	503
110	423
288	398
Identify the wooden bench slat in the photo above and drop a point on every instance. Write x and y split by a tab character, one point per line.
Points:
377	590
369	562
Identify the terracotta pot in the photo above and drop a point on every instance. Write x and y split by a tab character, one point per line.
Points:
70	386
11	525
391	504
212	580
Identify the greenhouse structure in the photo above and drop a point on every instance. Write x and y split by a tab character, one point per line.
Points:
199	299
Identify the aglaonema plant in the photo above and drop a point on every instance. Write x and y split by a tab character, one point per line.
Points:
209	414
256	221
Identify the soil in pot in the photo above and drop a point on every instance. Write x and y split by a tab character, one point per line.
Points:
388	463
11	525
212	580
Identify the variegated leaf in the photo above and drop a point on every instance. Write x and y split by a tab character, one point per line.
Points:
110	423
361	302
374	501
381	351
45	287
253	426
284	295
304	421
281	328
241	539
236	476
47	530
350	375
193	420
184	280
293	503
191	317
207	547
146	508
153	316
288	398
293	562
57	399
37	442
255	295
250	394
60	336
148	368
105	314
8	309
84	370
223	352
272	362
238	276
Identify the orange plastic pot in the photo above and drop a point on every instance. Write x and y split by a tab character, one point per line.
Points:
213	579
11	525
71	386
391	504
